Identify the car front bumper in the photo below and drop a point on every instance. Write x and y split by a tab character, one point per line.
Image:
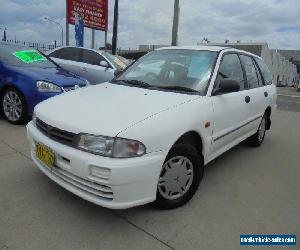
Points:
108	182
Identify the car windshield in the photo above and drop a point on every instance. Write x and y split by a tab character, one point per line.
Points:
176	69
23	57
118	63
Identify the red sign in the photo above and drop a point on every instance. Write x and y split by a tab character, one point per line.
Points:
94	13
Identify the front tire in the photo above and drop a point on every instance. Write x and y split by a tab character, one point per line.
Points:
13	106
180	177
257	139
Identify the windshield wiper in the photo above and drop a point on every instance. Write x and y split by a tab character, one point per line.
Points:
49	59
136	83
179	88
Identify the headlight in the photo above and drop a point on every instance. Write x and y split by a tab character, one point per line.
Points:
111	147
99	145
43	86
124	148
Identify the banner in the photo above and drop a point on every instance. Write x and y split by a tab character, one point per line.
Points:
79	29
93	12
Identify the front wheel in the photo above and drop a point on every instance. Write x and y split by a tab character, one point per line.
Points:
14	106
180	177
257	139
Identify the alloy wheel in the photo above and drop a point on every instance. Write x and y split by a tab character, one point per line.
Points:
12	106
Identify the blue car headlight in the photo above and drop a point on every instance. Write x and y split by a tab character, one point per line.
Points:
44	86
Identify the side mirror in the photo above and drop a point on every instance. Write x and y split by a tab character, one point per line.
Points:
104	64
227	86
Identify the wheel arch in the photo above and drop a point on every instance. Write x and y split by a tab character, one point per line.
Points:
192	138
8	86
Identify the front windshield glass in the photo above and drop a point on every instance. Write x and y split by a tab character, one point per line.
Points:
24	57
173	68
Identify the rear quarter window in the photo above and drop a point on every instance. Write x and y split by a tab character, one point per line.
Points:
264	71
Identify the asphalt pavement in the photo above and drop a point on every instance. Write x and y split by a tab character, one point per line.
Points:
244	191
290	103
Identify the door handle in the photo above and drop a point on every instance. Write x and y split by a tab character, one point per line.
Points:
247	99
266	94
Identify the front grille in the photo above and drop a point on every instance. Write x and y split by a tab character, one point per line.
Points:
103	191
56	134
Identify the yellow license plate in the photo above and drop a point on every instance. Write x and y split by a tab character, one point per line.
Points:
44	154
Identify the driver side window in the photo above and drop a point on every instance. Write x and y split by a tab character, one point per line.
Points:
230	68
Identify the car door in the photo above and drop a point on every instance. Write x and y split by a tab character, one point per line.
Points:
256	104
92	69
230	109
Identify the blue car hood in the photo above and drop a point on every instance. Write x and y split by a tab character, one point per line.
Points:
55	75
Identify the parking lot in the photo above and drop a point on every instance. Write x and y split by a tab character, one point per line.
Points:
246	190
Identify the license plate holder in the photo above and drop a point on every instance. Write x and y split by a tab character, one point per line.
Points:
45	154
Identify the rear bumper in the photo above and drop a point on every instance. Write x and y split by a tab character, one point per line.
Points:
108	182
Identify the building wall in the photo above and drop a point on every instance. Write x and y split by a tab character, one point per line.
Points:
266	55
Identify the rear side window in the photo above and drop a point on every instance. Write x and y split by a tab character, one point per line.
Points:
230	67
72	54
250	71
92	57
264	71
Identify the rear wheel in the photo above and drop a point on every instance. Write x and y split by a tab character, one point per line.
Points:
14	106
180	177
257	139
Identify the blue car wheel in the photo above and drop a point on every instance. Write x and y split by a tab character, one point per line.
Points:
14	106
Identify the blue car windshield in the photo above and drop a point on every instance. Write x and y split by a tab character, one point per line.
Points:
23	57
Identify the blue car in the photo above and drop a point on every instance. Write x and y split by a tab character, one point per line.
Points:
28	77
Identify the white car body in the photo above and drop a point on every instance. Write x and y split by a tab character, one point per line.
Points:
155	118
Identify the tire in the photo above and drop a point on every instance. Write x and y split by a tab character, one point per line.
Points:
183	168
257	139
13	106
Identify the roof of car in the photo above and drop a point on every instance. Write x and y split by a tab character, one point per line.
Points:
206	48
209	48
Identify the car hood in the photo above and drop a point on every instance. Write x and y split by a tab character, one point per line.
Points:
55	75
106	109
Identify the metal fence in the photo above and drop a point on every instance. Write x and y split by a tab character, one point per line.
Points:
34	45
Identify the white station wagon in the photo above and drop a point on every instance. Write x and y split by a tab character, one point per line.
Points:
146	136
